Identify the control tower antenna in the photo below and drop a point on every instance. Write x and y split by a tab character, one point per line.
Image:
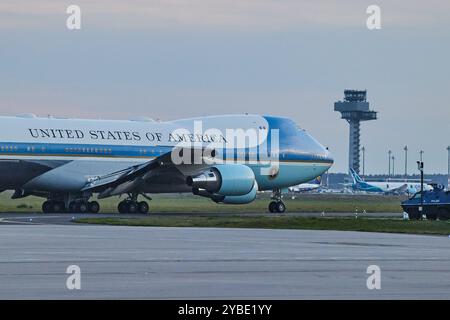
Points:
354	109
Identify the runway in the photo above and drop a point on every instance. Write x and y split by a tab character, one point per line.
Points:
196	263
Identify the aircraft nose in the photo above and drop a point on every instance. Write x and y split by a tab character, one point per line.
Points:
328	157
322	151
316	149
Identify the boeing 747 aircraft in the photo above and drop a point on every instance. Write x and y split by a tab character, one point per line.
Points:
68	161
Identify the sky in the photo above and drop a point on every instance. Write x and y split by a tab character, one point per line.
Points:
168	59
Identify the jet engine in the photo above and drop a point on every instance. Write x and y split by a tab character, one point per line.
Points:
224	180
242	199
246	198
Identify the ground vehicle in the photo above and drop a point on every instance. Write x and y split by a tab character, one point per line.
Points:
436	204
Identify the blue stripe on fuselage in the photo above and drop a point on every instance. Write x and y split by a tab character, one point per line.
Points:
64	149
129	151
364	186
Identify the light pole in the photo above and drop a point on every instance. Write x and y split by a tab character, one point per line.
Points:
393	166
328	180
389	158
420	167
406	162
448	168
363	149
421	155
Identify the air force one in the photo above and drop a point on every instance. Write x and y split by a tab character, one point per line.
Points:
69	161
385	186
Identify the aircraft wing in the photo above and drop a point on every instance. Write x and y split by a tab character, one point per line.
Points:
118	177
401	188
129	179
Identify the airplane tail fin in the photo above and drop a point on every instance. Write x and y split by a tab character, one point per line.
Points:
318	180
356	178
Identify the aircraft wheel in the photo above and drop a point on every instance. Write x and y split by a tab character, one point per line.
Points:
132	207
73	207
83	207
272	206
128	206
143	207
94	207
280	207
57	206
47	206
122	207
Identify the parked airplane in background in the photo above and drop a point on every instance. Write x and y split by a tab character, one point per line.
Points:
67	161
385	186
308	186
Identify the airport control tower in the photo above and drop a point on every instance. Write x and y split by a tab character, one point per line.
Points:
354	109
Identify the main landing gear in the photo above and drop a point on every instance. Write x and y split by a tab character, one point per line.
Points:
79	206
131	205
277	205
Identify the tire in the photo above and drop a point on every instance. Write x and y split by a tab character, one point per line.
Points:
143	207
122	207
58	206
132	207
413	214
431	216
83	207
47	206
73	207
272	206
94	207
280	207
443	214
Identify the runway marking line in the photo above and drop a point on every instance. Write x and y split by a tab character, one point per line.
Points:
2	220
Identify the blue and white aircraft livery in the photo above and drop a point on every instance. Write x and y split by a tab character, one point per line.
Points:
386	186
226	158
308	186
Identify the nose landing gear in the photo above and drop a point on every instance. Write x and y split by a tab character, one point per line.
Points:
277	205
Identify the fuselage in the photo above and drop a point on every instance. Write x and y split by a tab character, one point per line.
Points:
52	154
387	186
304	187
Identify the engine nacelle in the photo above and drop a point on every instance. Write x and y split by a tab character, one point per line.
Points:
244	199
224	180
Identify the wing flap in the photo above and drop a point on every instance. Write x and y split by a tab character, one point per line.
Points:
116	178
129	179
